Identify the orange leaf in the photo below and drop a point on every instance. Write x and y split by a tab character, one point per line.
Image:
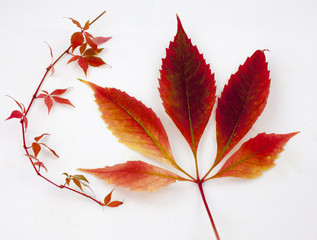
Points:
36	148
255	156
136	175
52	151
107	198
241	103
82	48
187	88
75	22
114	204
133	123
86	27
39	137
77	39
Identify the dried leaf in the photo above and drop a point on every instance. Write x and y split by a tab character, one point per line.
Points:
136	175
255	156
133	123
80	178
241	103
187	87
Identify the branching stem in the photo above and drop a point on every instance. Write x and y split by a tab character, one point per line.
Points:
63	186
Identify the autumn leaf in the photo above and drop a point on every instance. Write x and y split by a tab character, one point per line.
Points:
187	87
15	114
136	175
36	146
133	123
50	98
76	23
19	114
77	40
255	156
241	103
107	201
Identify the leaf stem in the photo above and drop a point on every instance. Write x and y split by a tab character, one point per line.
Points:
207	208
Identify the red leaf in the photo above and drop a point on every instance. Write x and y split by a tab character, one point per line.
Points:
114	204
62	101
21	106
241	103
36	148
83	64
187	88
76	22
77	39
25	122
94	61
58	91
42	95
255	156
100	40
74	58
89	41
133	123
49	103
15	114
136	175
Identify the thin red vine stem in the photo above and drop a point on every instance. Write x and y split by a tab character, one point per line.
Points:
24	130
201	190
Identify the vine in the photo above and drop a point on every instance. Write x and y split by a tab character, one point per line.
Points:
88	56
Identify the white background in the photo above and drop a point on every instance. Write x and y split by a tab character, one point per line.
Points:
281	204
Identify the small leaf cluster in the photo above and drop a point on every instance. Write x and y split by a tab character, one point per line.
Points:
88	47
